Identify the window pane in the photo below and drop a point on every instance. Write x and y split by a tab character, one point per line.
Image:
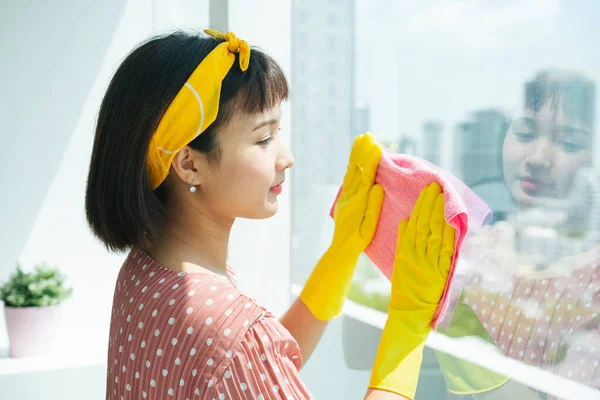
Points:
502	95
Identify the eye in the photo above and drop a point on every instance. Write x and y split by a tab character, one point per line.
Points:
523	130
266	141
524	136
570	147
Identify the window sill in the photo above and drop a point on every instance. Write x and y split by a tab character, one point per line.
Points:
17	366
68	356
482	354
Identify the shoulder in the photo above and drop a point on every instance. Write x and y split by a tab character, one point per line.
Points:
192	325
199	303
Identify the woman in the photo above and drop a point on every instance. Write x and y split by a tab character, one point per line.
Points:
537	299
186	142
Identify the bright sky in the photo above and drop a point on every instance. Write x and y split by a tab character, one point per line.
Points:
423	59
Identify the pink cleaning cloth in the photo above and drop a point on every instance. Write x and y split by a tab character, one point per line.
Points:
403	177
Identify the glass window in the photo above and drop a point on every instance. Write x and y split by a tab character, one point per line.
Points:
503	96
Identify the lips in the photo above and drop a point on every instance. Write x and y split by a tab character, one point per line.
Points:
277	188
535	186
278	185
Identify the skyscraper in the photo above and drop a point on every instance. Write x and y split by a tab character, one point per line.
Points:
322	108
479	146
432	141
407	145
360	120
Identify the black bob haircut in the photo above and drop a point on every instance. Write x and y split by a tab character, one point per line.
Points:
121	208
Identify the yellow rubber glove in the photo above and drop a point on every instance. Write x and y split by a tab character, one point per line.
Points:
356	215
424	253
463	377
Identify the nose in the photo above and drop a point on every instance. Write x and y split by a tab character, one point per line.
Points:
285	159
541	154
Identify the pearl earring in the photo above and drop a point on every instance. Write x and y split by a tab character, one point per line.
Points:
192	188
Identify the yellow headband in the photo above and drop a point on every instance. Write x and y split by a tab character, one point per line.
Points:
196	105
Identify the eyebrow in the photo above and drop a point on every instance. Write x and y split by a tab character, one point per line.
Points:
265	123
574	130
525	118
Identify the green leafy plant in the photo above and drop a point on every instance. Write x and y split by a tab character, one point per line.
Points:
367	272
373	300
41	288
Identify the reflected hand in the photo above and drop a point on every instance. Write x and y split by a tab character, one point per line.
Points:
492	250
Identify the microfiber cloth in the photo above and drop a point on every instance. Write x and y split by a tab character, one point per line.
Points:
403	177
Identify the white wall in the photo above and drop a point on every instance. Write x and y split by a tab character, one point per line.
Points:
57	59
60	60
51	56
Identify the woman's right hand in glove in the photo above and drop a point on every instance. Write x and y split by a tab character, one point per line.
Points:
424	252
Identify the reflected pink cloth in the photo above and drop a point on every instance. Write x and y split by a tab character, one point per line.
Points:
403	177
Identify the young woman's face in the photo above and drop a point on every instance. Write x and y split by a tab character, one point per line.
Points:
251	171
542	153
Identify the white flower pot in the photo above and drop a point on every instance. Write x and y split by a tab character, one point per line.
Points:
32	331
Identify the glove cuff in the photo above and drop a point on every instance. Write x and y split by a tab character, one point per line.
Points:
327	287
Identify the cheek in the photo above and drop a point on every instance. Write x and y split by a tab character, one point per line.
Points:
511	154
250	173
567	165
255	168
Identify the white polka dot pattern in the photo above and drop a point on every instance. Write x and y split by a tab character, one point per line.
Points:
181	335
266	368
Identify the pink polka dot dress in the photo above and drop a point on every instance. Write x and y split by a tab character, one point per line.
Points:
193	336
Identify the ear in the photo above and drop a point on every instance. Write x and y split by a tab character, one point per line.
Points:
187	166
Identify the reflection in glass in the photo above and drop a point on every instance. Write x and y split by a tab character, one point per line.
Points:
408	72
532	280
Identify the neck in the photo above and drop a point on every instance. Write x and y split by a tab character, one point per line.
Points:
193	241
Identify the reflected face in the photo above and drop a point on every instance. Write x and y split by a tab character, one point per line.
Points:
542	153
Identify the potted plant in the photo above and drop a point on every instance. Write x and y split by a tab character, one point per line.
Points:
32	305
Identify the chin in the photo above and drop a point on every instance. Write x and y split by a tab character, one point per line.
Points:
267	211
271	209
522	198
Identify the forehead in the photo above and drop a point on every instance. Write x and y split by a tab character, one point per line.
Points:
557	110
244	124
